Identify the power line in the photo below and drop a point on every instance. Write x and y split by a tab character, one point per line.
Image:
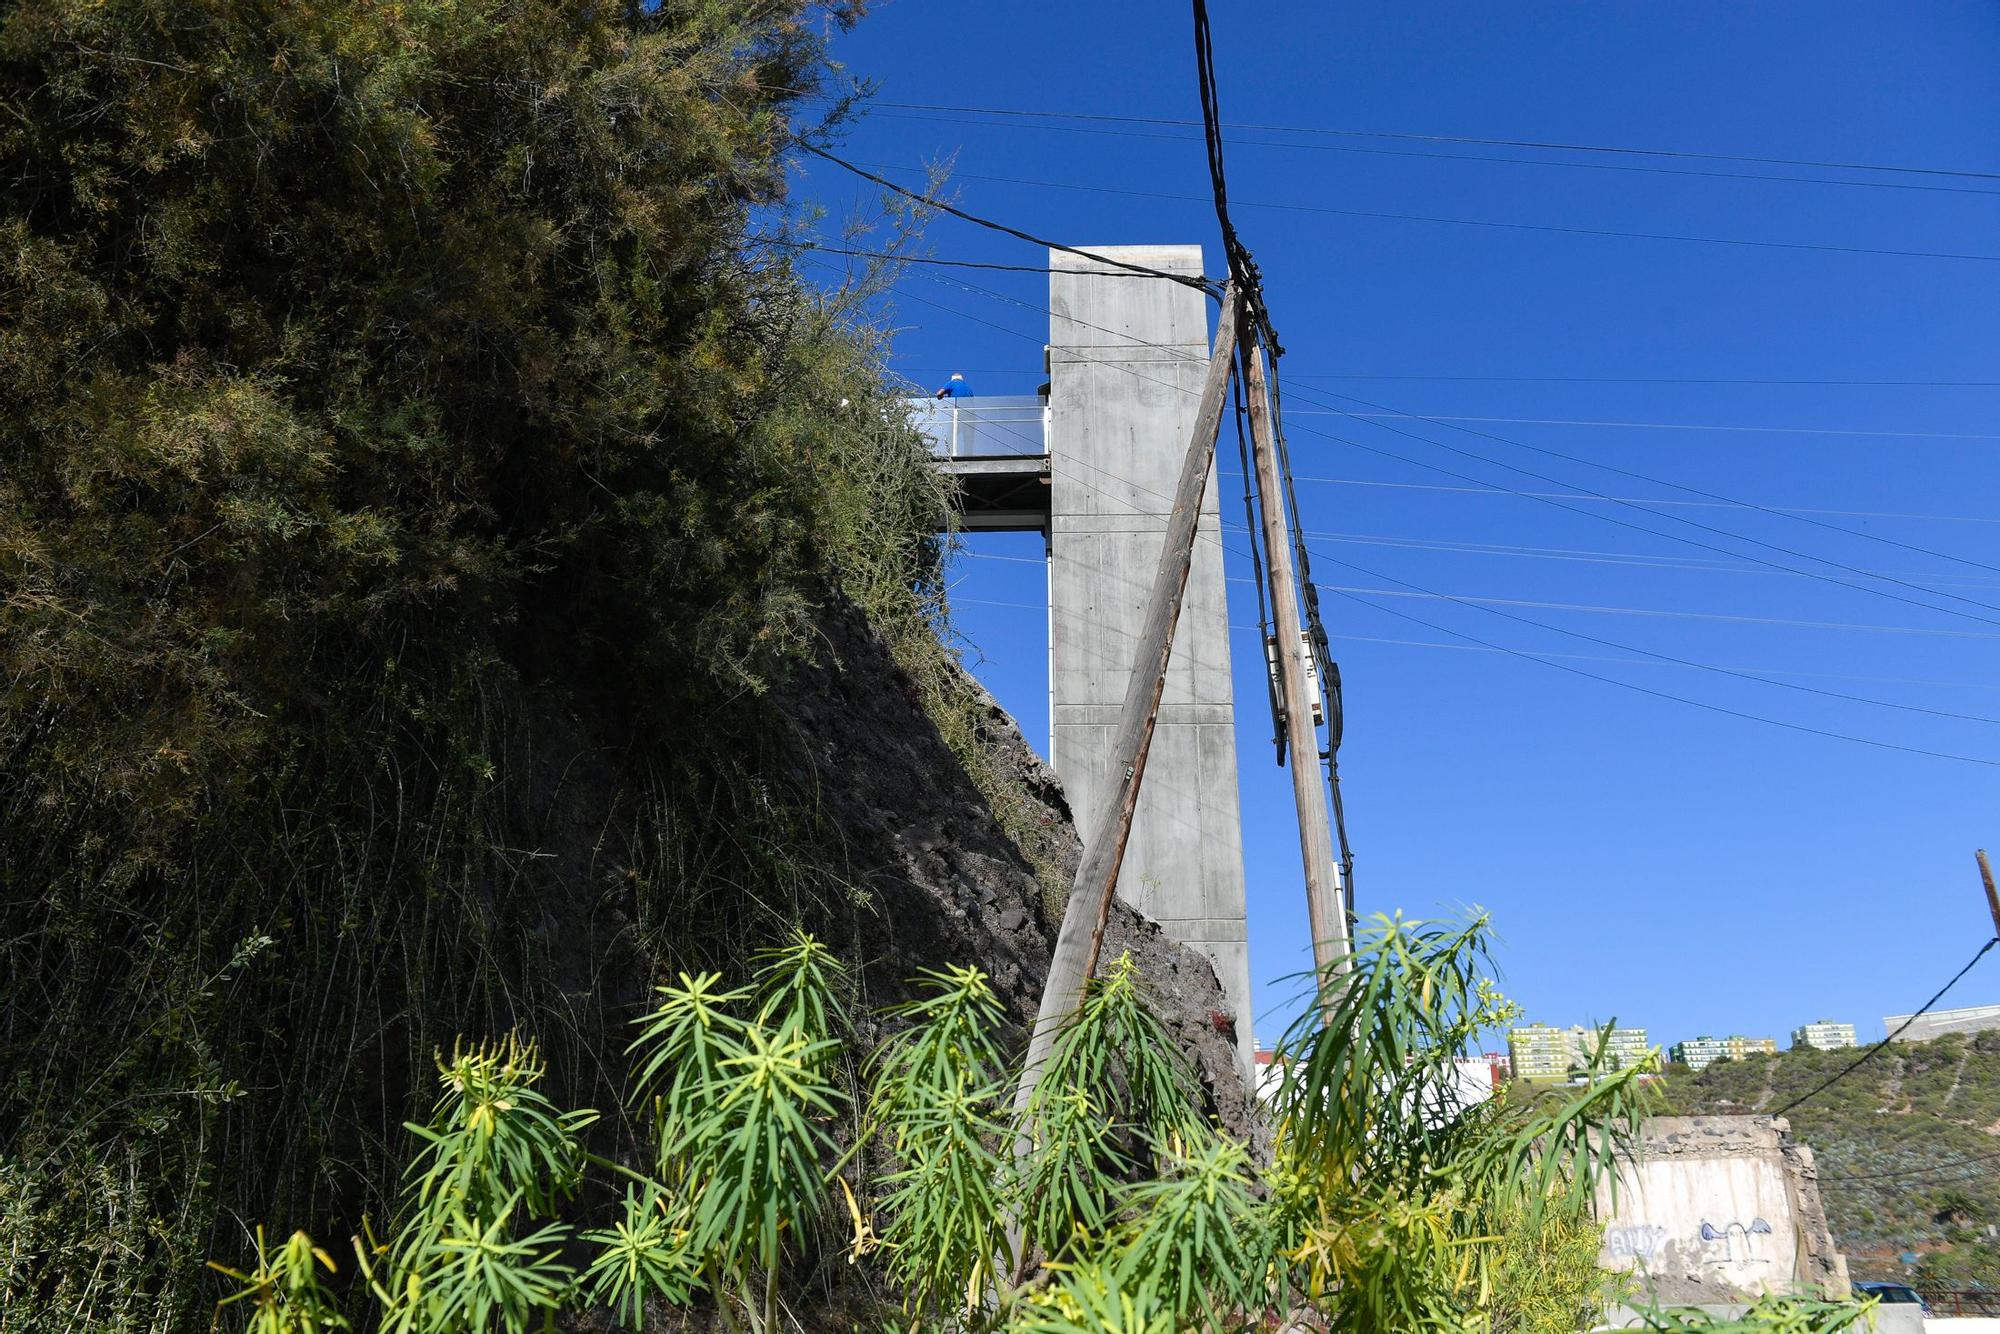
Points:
1444	157
1895	168
1674	426
1675	614
1634	560
1607	379
897	258
1642	662
1923	1170
1485	605
1543	498
1669	695
1704	494
1653	661
932	201
1609	680
1865	1056
1649	500
1496	223
1655	379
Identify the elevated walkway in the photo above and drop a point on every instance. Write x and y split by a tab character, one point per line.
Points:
997	449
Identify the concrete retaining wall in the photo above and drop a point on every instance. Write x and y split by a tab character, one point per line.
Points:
1718	1210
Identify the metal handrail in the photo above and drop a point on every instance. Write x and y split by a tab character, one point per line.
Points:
1010	425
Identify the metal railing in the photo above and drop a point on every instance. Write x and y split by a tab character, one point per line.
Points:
992	426
1961	1301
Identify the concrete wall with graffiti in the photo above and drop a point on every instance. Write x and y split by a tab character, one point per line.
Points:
1718	1210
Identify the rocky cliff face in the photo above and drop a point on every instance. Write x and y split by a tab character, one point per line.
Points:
943	881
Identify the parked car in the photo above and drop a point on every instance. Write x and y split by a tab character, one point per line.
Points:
1892	1294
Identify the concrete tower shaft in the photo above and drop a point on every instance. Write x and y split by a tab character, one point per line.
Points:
1126	358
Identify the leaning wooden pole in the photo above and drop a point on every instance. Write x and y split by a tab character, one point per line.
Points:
1081	935
1326	896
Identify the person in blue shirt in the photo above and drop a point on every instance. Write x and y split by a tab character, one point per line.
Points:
955	387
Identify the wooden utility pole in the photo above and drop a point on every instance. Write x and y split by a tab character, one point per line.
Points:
1081	935
1326	896
1992	897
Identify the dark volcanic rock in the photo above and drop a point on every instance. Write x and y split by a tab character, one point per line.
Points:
946	882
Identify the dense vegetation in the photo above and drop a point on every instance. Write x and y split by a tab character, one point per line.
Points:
1104	1204
1907	1146
395	397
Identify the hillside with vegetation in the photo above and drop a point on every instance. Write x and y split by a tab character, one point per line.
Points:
453	574
1908	1146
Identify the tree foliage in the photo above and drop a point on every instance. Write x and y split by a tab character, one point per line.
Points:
1107	1202
390	391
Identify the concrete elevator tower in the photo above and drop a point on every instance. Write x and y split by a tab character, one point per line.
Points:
1126	358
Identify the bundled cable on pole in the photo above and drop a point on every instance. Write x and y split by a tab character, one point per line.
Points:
1245	276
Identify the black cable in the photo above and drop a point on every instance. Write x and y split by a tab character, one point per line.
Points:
1673	518
1465	139
1552	228
1254	530
931	201
1662	694
1865	1056
1488	644
1447	157
924	259
1911	1171
1679	486
1663	657
1249	283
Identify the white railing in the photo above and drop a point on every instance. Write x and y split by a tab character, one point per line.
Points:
992	426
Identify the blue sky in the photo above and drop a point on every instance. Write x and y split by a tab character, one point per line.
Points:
1673	866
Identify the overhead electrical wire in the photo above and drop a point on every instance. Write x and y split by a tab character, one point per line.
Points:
1925	1169
1497	223
1656	379
1895	168
1437	156
1604	379
1545	499
1756	672
1669	695
1496	607
1348	638
1627	559
1705	494
1674	614
1203	285
1650	500
1528	656
1731	427
1626	503
1875	1050
898	258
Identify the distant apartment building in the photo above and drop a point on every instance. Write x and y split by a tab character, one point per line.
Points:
1971	1019
1699	1053
1824	1034
1538	1051
1473	1078
1543	1051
